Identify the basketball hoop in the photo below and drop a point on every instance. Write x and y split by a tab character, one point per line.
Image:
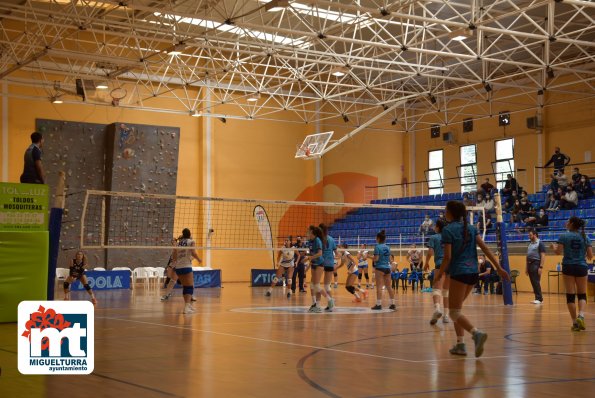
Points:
313	146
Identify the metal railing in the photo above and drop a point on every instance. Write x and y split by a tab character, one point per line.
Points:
539	179
449	185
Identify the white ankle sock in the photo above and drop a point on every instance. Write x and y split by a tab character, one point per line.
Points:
378	302
473	330
460	339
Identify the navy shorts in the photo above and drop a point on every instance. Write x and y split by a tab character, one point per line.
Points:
183	271
362	265
314	266
574	270
329	268
385	271
467	279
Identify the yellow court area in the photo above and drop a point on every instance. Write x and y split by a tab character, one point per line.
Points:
240	343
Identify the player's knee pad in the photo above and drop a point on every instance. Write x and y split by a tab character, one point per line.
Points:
455	314
436	292
275	279
445	294
87	287
66	285
359	276
317	288
570	298
188	290
367	276
328	288
582	296
350	289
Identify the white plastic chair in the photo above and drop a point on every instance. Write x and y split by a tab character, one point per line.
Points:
160	271
62	273
140	273
98	269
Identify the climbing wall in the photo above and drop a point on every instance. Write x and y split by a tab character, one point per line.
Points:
143	159
78	149
117	157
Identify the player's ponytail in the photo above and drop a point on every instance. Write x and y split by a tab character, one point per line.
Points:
578	224
381	236
317	232
458	212
324	230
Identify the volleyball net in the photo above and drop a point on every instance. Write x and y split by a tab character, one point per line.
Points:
124	220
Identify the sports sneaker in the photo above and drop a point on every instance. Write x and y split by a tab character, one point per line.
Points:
479	338
267	294
367	286
165	297
336	285
485	293
445	319
392	307
377	307
193	299
303	291
331	304
575	327
435	316
312	307
188	309
458	349
316	310
535	302
580	321
288	294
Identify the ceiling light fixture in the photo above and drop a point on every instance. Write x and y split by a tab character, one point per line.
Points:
253	97
56	100
195	114
340	71
101	86
461	34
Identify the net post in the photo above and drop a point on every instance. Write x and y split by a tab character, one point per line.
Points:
503	250
83	217
102	237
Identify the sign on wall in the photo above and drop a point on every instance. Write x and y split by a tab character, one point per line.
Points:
24	207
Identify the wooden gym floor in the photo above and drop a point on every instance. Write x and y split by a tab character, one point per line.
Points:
234	348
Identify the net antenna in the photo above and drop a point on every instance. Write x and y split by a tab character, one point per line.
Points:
313	145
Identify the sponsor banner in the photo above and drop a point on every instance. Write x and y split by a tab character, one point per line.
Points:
208	278
105	280
56	337
263	277
24	207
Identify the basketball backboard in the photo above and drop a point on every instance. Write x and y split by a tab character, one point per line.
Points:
313	145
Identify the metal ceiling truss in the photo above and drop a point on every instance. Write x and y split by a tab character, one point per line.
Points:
388	65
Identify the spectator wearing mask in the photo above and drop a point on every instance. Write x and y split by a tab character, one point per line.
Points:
414	258
487	187
509	203
467	200
576	176
583	188
550	200
558	194
486	277
570	200
559	180
510	186
559	160
526	209
516	211
427	226
490	205
441	216
538	221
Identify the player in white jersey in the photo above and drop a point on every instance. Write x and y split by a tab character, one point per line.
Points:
362	257
182	260
352	272
285	264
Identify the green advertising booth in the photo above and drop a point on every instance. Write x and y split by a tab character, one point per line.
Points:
24	245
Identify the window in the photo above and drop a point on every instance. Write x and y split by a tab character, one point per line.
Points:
435	172
468	169
504	164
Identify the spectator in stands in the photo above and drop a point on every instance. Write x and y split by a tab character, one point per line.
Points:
524	194
526	209
485	276
427	226
486	187
550	200
538	221
509	203
570	200
559	180
535	263
583	188
516	211
489	205
441	216
559	160
576	176
467	200
414	258
510	186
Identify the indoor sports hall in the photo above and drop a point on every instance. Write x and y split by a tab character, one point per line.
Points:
335	198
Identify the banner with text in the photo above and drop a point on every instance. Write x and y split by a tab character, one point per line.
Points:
24	207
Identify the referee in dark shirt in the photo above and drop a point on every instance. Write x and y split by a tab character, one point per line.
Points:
535	262
559	160
33	172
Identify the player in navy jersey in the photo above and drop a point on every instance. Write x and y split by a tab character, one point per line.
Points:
77	272
576	247
316	261
329	248
440	286
382	267
460	241
351	262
